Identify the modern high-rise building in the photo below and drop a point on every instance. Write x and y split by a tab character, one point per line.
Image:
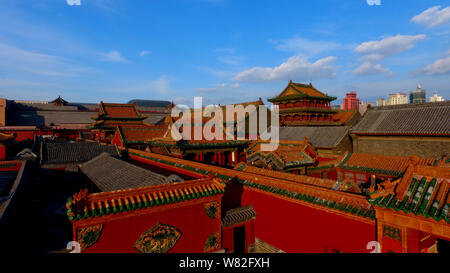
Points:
363	106
382	102
351	102
398	98
418	95
436	98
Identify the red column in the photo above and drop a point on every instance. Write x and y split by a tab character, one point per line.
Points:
2	152
249	234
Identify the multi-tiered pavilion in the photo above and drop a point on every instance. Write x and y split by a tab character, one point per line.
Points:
302	104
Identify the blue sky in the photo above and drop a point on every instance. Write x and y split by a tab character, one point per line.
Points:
227	51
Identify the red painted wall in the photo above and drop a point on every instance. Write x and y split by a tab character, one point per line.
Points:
293	227
10	166
163	169
116	140
120	235
228	236
22	135
2	152
326	173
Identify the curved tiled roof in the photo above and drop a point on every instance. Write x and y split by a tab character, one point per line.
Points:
323	137
319	182
84	206
111	174
348	117
302	90
287	155
150	103
422	192
238	215
415	119
394	165
55	153
324	198
119	111
141	133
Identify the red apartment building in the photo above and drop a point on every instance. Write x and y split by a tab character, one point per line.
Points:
351	102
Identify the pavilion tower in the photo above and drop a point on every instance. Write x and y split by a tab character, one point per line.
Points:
303	105
110	115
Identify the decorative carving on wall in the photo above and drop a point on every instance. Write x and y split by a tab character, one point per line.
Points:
392	232
213	242
212	210
89	235
158	239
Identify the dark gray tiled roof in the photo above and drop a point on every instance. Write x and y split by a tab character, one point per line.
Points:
47	118
111	174
154	118
26	154
42	106
56	153
6	179
238	215
319	136
427	118
150	103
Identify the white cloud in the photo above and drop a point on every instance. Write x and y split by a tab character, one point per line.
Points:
73	2
218	87
159	85
206	89
14	58
378	50
296	67
113	56
305	46
228	56
15	83
225	50
144	53
439	67
219	73
368	68
230	59
433	17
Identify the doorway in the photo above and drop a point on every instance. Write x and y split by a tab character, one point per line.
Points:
239	239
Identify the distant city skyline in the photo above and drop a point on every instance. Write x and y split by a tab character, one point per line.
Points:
115	51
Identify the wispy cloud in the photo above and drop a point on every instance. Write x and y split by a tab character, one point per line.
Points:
161	86
379	50
15	83
296	67
12	57
231	59
369	68
216	72
438	67
144	53
228	56
433	17
306	47
113	56
73	2
218	87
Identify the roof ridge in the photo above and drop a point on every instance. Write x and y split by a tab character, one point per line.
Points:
411	105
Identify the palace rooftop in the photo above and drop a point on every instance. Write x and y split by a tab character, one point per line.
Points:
427	119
